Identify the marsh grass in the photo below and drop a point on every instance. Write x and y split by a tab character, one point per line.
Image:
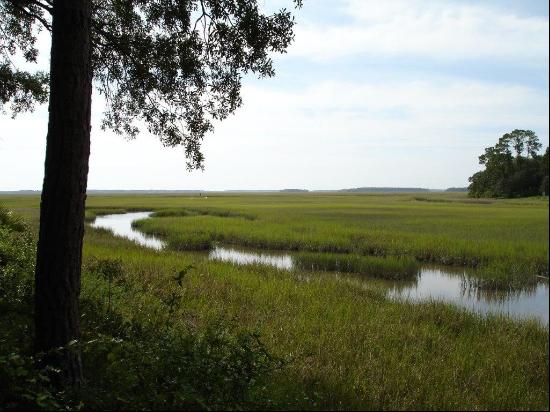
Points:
447	230
345	345
91	214
387	268
202	212
508	274
196	241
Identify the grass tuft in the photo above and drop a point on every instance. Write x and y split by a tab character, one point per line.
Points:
387	268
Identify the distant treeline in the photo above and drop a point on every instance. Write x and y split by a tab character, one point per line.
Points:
386	189
513	168
457	189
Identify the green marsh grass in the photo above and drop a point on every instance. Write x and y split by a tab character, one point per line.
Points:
345	345
448	228
386	268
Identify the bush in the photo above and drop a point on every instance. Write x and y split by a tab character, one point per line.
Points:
216	369
17	257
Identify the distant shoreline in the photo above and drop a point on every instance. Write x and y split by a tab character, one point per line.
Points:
296	191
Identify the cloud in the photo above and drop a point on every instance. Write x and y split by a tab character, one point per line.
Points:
332	128
327	135
442	30
417	112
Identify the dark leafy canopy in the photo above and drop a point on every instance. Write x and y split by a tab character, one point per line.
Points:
513	168
18	31
174	66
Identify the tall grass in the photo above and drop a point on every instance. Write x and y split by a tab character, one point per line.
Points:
447	229
345	345
386	268
508	274
444	230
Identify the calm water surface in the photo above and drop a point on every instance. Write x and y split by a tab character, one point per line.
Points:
121	225
431	284
246	257
437	284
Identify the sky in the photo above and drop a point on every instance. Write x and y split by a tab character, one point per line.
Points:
402	93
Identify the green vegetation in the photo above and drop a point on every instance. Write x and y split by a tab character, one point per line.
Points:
505	240
160	334
448	229
513	168
135	362
386	268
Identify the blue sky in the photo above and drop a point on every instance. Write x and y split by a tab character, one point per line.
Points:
372	93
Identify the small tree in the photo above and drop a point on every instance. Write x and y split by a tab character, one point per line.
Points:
173	65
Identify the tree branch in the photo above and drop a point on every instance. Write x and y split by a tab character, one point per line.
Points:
30	14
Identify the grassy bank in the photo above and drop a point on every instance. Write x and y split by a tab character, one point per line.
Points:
506	240
324	342
385	268
347	347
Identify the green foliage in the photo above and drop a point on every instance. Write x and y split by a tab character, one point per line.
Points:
174	66
19	31
214	369
9	220
508	172
17	250
345	345
108	269
128	364
23	386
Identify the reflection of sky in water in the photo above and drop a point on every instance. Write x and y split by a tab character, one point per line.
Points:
439	285
121	225
240	257
432	283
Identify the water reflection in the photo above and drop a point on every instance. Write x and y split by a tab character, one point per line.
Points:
449	285
121	225
436	284
243	257
431	284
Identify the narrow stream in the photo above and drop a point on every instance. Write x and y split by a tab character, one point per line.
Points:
121	225
431	283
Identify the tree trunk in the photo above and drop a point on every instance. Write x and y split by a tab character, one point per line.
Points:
59	255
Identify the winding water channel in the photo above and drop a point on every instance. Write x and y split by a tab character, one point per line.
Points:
431	283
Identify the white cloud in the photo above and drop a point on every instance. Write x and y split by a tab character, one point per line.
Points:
329	135
405	110
337	131
435	29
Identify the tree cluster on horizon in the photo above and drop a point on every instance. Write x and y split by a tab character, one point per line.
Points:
513	168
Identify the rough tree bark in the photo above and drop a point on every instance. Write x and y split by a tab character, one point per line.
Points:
59	254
